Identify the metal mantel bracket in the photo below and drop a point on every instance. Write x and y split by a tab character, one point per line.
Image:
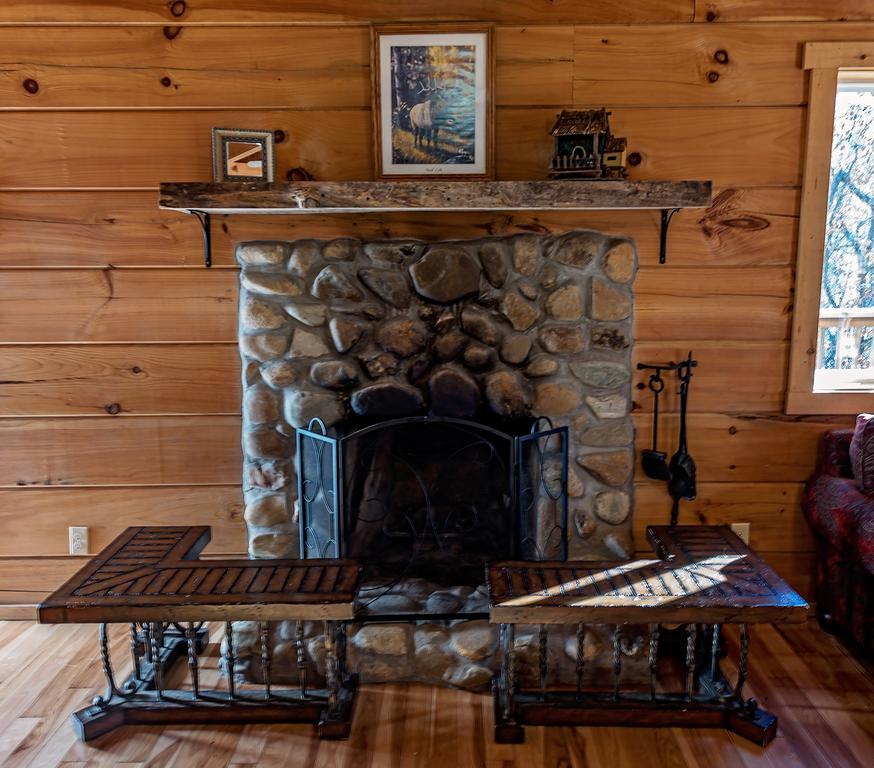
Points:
204	219
667	215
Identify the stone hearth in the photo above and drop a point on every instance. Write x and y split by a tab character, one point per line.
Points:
489	330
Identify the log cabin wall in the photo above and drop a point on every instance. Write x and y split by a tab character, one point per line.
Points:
109	323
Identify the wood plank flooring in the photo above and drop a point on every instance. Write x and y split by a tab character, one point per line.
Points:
824	698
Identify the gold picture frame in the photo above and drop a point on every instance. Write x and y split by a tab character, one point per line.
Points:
242	155
433	101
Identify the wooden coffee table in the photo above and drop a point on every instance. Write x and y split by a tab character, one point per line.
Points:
151	579
702	578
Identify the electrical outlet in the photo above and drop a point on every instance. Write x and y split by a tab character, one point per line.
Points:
742	530
78	540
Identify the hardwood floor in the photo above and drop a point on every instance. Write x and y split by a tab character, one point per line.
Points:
823	697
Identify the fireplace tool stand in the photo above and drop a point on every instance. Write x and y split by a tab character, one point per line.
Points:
679	473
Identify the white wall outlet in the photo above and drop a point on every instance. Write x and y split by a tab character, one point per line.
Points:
742	531
78	540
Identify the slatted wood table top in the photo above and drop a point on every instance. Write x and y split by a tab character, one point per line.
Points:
703	574
154	574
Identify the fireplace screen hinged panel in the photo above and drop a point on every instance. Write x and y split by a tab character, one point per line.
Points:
432	496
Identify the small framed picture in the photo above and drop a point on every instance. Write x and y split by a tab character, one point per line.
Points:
241	155
432	100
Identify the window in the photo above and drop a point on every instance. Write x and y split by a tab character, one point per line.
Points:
846	306
832	355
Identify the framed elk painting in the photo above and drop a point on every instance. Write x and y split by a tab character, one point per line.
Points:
432	101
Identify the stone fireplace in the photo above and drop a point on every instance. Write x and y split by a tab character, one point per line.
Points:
440	359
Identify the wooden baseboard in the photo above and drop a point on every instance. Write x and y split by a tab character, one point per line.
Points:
19	606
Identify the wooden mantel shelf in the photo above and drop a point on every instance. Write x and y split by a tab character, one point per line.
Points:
326	197
399	196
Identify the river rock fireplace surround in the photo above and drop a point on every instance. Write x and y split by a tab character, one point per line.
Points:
425	408
429	405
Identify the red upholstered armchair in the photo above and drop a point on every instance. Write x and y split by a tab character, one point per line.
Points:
842	518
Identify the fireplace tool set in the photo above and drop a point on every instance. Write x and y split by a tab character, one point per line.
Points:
679	472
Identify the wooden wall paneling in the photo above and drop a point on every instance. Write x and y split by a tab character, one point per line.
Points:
187	305
153	66
154	450
754	447
96	228
143	148
770	508
755	146
783	10
745	226
50	306
36	576
108	511
244	66
534	65
752	226
704	65
281	11
148	450
72	380
725	292
155	379
716	303
732	376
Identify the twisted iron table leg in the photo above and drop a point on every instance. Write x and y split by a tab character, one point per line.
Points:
266	658
332	672
617	659
111	688
653	659
230	660
508	668
192	660
691	638
581	656
301	660
742	661
135	651
714	653
155	635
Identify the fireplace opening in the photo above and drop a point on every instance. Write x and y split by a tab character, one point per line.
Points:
433	498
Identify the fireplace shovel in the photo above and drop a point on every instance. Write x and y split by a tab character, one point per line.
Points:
654	461
681	484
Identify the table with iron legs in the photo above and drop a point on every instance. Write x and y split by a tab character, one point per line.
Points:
703	578
150	580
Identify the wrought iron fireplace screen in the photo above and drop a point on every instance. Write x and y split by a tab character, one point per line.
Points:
433	497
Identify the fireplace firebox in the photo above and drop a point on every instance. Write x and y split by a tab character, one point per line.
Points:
433	497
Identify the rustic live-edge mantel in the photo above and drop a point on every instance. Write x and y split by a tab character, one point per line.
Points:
205	199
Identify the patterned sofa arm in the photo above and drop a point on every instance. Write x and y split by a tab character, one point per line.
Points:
834	453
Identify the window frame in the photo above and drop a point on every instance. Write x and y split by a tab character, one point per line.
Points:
823	61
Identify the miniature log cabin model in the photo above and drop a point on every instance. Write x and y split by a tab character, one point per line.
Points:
430	407
585	148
